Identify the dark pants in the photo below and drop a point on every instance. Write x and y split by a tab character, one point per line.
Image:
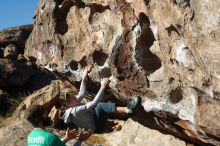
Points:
102	111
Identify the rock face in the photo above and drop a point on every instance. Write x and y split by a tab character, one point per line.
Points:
166	51
134	134
15	71
16	36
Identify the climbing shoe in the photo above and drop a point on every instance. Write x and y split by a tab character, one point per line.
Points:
133	105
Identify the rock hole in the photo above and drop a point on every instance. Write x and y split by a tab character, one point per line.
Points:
61	14
121	78
171	80
95	8
100	57
32	59
59	2
176	95
172	28
80	4
83	62
146	2
73	65
143	19
53	66
149	61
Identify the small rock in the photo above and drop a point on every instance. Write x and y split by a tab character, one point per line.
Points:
11	52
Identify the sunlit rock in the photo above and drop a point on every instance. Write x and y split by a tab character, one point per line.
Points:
165	51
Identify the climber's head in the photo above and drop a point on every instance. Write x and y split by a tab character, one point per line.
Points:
36	115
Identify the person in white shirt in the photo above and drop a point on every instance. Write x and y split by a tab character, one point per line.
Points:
94	114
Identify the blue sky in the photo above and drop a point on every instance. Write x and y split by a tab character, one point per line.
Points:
16	12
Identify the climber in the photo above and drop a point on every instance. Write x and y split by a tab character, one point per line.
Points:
36	115
94	114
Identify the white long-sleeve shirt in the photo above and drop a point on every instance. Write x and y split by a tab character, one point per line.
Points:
82	114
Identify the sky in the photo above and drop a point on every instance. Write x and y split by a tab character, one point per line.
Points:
16	12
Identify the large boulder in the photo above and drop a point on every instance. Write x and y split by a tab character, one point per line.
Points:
47	96
16	36
166	51
135	134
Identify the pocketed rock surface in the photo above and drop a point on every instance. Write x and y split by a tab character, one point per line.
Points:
165	51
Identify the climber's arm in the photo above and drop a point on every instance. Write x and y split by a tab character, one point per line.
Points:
99	95
83	86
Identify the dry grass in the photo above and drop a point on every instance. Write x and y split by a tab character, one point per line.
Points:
4	121
96	139
13	102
